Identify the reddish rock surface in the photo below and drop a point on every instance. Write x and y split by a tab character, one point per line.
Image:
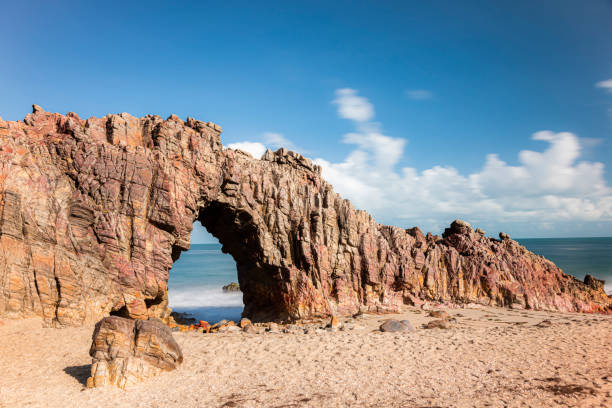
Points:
126	351
94	212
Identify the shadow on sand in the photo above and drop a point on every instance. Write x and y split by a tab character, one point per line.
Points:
79	373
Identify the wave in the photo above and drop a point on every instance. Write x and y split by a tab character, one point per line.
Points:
203	296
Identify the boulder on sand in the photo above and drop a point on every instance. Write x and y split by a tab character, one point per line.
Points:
392	325
126	351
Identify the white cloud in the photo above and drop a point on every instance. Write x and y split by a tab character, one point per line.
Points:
542	191
256	149
607	84
352	106
419	94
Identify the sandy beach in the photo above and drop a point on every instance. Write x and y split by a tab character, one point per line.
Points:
492	358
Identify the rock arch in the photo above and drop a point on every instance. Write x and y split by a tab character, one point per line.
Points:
94	212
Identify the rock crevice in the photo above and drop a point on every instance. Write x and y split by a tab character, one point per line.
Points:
94	212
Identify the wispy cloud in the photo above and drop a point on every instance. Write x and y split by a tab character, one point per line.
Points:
607	85
419	94
352	106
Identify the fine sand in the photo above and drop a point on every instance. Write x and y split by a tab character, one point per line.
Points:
492	358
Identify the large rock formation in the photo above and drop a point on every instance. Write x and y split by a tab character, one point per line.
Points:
94	212
127	351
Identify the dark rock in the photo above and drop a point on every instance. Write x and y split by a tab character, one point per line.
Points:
231	287
126	351
593	282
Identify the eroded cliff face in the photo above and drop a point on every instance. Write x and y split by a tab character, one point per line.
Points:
94	212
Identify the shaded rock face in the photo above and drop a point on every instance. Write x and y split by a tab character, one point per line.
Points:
127	351
94	212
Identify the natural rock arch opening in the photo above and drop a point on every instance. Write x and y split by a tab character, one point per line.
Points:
261	284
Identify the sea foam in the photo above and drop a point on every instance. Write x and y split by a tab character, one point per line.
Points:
203	296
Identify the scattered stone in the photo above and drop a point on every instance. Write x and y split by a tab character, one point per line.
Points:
273	328
392	325
545	323
249	328
293	328
440	314
220	325
438	324
126	351
334	323
229	329
348	326
244	322
182	318
503	236
231	287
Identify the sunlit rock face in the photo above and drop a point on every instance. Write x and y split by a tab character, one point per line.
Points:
94	212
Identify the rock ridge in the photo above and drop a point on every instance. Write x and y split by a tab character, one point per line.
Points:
94	212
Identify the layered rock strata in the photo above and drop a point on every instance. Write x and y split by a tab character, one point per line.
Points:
126	351
94	212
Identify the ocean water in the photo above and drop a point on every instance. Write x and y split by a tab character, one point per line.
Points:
196	281
199	274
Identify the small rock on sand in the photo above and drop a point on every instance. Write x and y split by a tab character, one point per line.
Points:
244	322
392	325
249	328
229	329
440	314
438	324
334	323
545	323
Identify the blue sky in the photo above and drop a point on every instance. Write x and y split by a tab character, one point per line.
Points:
446	83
